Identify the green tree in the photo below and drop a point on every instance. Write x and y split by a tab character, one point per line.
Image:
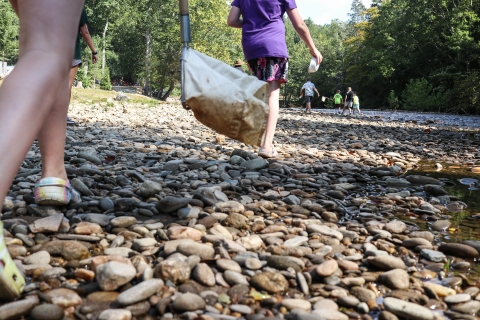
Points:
8	33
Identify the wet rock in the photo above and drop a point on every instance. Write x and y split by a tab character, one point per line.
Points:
432	255
435	190
459	250
423	180
441	225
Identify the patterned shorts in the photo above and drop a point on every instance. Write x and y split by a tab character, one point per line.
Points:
269	68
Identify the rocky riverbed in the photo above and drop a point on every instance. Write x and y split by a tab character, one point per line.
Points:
179	222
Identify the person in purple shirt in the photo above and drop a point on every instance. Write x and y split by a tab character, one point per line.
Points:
265	49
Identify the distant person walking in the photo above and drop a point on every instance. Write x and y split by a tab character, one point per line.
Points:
338	101
238	65
309	87
348	101
265	48
356	104
77	58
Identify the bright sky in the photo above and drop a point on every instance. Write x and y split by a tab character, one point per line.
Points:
322	12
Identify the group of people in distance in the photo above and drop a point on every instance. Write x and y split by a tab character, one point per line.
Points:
350	103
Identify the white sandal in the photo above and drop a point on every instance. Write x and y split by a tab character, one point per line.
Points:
272	153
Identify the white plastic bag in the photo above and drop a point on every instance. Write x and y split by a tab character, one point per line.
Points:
225	100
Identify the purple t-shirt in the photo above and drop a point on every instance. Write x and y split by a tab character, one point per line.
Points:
263	31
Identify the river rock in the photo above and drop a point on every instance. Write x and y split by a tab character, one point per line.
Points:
407	310
171	204
204	275
432	255
423	180
291	304
387	262
285	262
189	302
115	314
327	268
69	250
150	188
230	207
177	233
459	250
396	279
141	291
123	222
204	251
113	275
17	309
48	224
64	298
47	312
270	282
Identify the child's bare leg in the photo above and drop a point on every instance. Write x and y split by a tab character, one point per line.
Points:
51	137
47	34
274	105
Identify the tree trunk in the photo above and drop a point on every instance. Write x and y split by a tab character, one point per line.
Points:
169	91
147	57
3	62
104	45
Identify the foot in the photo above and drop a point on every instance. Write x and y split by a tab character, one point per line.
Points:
55	192
12	280
70	122
267	153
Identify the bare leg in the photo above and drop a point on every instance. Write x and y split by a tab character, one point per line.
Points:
51	137
274	105
47	35
71	79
